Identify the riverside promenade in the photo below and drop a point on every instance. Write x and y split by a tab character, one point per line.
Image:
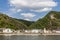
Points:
30	34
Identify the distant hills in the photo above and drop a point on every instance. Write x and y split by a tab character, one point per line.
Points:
50	21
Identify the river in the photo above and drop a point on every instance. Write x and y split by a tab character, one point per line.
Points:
22	37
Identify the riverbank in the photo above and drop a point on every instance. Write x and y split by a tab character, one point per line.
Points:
6	34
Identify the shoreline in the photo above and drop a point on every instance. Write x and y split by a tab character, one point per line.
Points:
37	34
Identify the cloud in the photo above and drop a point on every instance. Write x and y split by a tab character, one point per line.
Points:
27	19
33	4
44	9
14	10
28	15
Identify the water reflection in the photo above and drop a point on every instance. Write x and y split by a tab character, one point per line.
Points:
41	37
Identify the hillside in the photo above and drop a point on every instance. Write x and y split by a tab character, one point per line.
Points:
8	22
50	21
28	23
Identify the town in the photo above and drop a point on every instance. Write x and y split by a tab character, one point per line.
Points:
29	32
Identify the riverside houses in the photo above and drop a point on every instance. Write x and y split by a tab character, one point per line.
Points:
17	31
56	31
47	31
34	31
6	30
1	30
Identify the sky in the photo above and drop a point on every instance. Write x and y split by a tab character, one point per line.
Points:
30	10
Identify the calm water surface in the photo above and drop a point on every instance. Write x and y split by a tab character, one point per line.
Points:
30	37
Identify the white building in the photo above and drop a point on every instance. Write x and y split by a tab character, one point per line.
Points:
33	31
57	31
47	31
27	31
7	30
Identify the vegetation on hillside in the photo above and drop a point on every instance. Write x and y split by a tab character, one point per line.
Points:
50	21
8	22
28	23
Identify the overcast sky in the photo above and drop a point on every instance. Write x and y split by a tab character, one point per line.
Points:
30	10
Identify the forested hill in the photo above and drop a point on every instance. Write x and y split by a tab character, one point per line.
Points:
28	23
8	22
50	21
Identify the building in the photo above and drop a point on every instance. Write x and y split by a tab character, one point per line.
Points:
56	31
27	31
33	31
36	31
47	31
1	30
18	31
6	30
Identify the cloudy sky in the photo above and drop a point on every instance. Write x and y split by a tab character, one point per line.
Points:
30	10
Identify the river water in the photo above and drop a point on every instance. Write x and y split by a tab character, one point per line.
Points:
41	37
